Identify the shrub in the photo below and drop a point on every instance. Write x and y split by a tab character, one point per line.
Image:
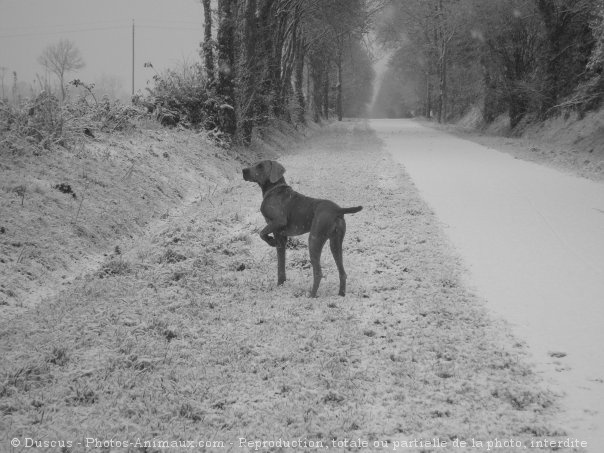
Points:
105	115
181	97
43	122
40	122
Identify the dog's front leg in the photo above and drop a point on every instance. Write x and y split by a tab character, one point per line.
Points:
281	241
270	228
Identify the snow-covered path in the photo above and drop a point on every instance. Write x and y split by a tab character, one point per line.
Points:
533	240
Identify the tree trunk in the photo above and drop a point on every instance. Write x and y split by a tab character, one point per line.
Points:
554	22
315	89
288	66
442	98
299	81
265	48
326	91
226	66
275	66
428	98
62	83
339	87
208	44
248	110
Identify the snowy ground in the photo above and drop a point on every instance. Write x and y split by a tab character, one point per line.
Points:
180	332
533	240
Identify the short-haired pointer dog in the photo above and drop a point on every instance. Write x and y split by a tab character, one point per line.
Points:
288	213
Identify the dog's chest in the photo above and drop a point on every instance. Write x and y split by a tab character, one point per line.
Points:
275	206
289	209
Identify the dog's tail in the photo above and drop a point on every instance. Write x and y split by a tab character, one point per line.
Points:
350	210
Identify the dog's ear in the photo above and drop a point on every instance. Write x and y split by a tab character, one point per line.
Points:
277	171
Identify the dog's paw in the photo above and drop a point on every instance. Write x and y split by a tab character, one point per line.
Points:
269	240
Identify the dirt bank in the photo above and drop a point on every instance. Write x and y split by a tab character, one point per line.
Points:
568	143
66	211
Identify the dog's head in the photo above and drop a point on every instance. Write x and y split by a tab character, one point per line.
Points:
264	172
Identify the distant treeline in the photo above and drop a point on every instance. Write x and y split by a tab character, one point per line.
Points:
528	58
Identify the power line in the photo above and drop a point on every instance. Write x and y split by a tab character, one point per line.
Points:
81	24
191	22
169	28
79	30
19	35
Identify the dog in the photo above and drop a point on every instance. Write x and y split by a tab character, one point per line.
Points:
288	213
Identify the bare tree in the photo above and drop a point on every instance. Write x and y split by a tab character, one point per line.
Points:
208	44
227	22
61	58
248	78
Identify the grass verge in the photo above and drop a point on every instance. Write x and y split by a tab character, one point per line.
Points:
185	335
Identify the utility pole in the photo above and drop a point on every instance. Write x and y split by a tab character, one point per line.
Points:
132	57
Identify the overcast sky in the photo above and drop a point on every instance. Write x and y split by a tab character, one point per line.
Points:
167	32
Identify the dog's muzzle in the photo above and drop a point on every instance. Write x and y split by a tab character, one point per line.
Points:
246	174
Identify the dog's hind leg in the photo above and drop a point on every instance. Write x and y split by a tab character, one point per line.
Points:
281	241
315	246
335	244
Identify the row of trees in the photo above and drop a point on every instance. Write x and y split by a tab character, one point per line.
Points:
263	59
529	58
286	58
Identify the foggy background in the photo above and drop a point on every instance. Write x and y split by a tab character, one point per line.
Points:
166	34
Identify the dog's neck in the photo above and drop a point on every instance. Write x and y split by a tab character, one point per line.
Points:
271	186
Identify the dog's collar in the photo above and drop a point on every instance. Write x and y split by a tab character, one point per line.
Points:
266	194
